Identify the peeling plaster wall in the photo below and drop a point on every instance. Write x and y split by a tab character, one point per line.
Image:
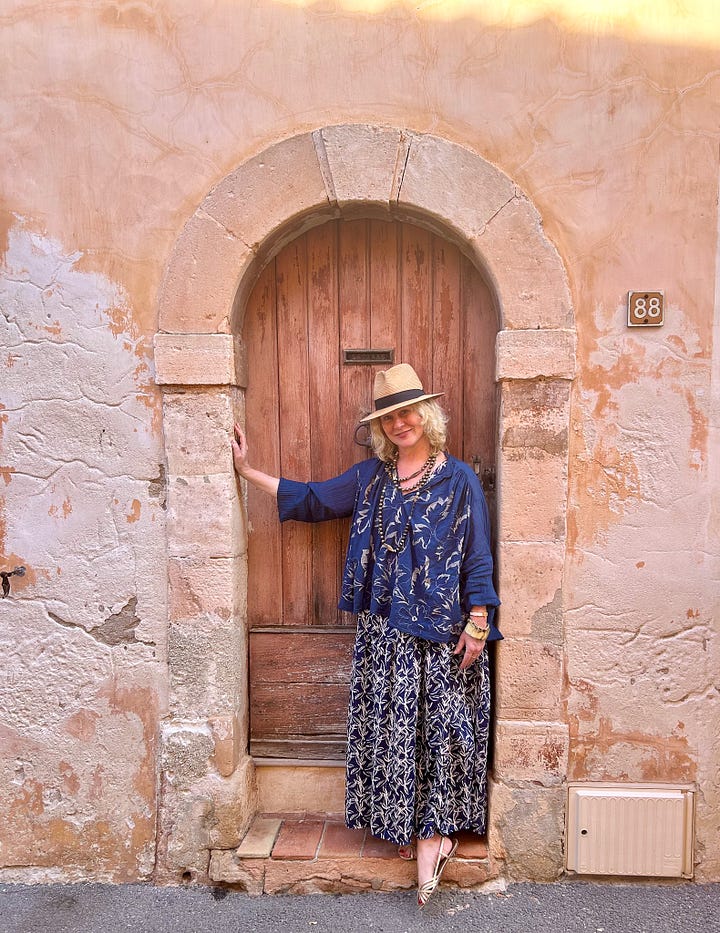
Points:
642	593
117	118
83	632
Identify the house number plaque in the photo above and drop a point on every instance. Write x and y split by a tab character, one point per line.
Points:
646	309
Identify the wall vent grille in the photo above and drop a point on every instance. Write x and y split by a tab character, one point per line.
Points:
630	829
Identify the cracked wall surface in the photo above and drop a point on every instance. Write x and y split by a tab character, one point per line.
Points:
83	635
610	126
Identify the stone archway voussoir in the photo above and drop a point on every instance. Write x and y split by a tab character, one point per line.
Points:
453	185
262	195
202	279
527	269
363	163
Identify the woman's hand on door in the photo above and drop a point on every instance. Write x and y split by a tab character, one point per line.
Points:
239	449
240	461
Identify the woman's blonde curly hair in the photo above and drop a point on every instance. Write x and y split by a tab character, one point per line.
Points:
434	422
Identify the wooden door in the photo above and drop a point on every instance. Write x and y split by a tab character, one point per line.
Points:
342	286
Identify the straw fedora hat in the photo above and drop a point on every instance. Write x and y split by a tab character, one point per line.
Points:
395	388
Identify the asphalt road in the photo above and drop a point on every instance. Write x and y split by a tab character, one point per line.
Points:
574	907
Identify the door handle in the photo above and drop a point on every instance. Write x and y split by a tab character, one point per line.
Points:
363	442
486	475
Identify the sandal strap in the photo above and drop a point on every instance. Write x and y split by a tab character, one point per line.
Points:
426	890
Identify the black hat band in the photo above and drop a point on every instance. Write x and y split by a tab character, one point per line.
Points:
397	398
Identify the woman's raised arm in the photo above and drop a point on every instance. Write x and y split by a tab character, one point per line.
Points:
262	480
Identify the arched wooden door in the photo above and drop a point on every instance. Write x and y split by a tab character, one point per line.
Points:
346	285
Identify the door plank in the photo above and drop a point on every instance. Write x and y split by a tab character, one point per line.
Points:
324	388
313	658
353	287
294	404
263	434
298	709
416	300
447	329
384	285
355	380
298	749
479	332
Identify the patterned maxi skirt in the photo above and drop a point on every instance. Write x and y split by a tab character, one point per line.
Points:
417	736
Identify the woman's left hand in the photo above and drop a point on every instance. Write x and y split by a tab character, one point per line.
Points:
473	648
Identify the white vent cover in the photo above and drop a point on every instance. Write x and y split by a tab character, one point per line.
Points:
630	829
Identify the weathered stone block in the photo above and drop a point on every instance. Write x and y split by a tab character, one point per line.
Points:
535	417
469	873
225	734
349	874
532	752
214	586
530	583
448	181
247	874
535	354
253	201
198	428
533	496
186	749
204	516
529	274
198	293
529	681
331	875
211	814
530	822
207	668
195	359
362	160
294	790
188	840
233	805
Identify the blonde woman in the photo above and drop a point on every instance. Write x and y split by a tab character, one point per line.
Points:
418	574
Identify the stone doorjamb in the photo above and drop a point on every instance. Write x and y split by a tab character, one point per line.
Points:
341	171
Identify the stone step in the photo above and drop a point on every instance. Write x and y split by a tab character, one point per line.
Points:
313	853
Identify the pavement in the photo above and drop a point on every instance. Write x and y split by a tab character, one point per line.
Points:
562	907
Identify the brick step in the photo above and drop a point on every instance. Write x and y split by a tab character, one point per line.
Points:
284	854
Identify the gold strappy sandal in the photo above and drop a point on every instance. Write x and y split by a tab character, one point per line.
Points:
426	891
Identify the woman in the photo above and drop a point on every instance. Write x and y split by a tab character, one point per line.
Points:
418	573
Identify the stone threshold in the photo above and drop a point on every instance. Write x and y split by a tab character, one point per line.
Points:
316	853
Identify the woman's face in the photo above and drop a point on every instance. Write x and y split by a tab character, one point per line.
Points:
403	427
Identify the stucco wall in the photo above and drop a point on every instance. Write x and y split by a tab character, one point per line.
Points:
117	119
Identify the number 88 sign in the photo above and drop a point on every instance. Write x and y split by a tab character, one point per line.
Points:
645	309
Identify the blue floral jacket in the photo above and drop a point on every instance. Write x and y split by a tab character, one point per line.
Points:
445	566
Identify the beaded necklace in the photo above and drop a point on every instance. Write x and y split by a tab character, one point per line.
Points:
397	479
391	469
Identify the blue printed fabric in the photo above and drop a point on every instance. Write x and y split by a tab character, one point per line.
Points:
417	736
445	566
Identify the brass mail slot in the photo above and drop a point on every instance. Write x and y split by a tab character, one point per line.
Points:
368	356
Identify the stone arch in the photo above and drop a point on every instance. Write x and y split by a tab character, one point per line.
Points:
295	184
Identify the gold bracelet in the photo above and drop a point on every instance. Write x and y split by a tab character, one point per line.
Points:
474	631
